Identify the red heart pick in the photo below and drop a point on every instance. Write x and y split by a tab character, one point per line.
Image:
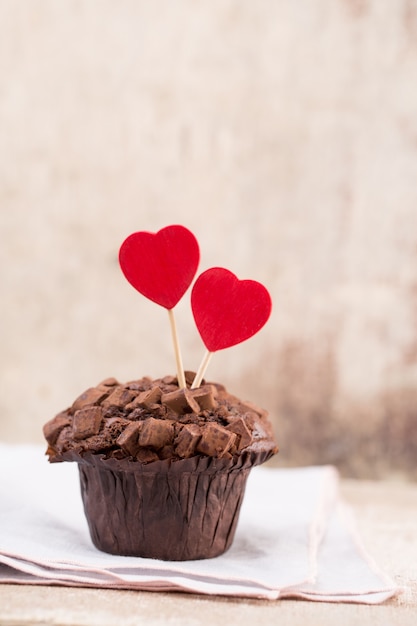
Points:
227	310
162	265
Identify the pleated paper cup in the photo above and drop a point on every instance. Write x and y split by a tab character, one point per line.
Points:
171	510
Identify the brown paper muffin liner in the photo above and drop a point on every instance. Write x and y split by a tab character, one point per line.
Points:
171	510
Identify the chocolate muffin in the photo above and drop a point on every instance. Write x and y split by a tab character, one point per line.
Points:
162	469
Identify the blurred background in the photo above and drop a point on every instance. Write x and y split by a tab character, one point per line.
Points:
284	135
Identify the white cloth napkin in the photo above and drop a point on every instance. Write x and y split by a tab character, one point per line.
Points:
295	538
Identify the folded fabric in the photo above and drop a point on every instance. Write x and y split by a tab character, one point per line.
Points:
294	539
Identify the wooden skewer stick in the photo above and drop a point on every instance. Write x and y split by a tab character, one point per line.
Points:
177	350
202	370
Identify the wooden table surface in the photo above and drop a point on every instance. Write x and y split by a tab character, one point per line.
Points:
387	518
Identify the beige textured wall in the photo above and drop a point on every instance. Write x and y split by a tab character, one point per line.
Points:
284	134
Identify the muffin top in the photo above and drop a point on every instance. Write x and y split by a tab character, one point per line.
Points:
148	420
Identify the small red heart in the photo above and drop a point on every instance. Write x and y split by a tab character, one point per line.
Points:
227	310
162	265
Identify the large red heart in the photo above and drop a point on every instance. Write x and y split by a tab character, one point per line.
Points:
162	265
227	310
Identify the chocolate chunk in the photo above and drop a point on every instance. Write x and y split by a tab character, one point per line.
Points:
181	401
215	440
189	377
52	428
244	437
139	385
167	452
146	399
205	397
187	440
170	380
156	433
65	439
129	438
145	455
108	382
90	396
151	396
119	397
86	422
